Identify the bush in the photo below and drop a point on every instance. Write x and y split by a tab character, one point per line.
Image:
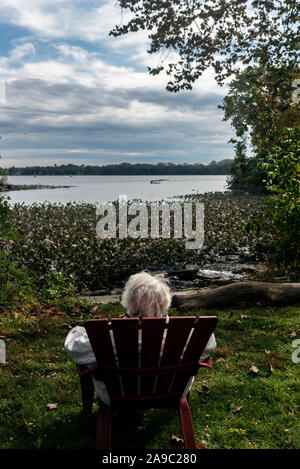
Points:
246	175
8	272
282	167
56	285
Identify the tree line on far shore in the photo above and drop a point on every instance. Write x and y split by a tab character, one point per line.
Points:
222	167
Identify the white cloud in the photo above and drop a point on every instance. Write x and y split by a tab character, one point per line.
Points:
89	21
21	50
68	99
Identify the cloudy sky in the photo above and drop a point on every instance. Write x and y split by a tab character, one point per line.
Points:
75	94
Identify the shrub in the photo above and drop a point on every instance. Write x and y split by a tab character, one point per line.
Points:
282	166
7	267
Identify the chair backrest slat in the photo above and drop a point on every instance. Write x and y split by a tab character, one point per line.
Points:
177	335
125	333
99	336
202	331
178	332
152	343
152	335
100	339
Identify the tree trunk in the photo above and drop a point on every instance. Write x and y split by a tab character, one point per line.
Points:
238	292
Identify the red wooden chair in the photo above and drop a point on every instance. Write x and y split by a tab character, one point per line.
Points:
155	361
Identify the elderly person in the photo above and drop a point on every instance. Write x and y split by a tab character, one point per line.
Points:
144	295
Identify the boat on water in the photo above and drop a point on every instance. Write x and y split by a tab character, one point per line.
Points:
157	181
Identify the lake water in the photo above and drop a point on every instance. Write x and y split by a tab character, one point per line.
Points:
98	189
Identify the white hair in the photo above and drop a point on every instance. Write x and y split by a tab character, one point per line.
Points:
146	295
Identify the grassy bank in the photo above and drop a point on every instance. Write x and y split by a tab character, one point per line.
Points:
231	406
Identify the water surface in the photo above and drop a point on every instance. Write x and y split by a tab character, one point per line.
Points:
98	189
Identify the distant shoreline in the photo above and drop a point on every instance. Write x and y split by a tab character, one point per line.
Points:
214	168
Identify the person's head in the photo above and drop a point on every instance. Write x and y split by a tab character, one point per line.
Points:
146	295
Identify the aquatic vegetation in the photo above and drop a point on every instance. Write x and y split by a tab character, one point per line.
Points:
62	239
4	187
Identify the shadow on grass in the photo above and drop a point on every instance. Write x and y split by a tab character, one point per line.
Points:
130	430
148	429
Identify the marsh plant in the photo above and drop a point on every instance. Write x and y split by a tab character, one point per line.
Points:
62	239
12	278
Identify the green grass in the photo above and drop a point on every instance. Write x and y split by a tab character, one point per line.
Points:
231	407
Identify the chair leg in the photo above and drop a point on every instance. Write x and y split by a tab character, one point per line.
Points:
87	393
103	438
187	424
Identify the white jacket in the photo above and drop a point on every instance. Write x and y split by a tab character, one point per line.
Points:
79	349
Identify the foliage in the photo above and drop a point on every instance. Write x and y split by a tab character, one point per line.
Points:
9	274
282	166
62	240
259	105
245	174
5	235
5	218
11	278
55	285
216	33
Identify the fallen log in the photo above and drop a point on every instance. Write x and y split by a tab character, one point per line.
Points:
239	292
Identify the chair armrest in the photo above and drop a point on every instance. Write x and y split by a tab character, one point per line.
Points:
206	363
84	370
